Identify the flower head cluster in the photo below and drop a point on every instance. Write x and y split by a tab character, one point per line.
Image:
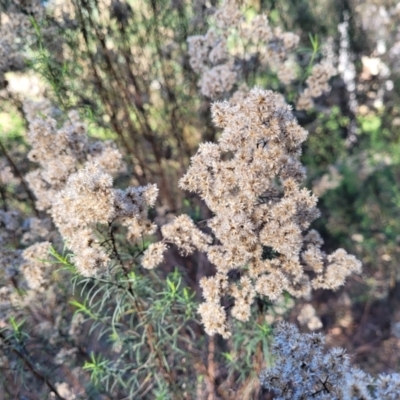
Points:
221	68
74	184
60	151
34	267
65	391
308	316
16	230
89	199
305	370
154	255
330	180
30	264
251	181
317	84
184	233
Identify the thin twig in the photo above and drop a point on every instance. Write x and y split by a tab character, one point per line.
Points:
21	178
23	354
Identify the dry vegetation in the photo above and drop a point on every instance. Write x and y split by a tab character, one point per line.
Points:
160	168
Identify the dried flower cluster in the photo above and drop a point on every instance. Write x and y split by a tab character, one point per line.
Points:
257	239
220	67
90	199
15	30
30	270
308	316
330	180
223	67
305	370
317	84
19	230
73	186
60	151
35	268
251	181
65	391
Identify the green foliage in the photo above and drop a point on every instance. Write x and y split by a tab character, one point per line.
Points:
143	318
325	145
98	369
11	128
